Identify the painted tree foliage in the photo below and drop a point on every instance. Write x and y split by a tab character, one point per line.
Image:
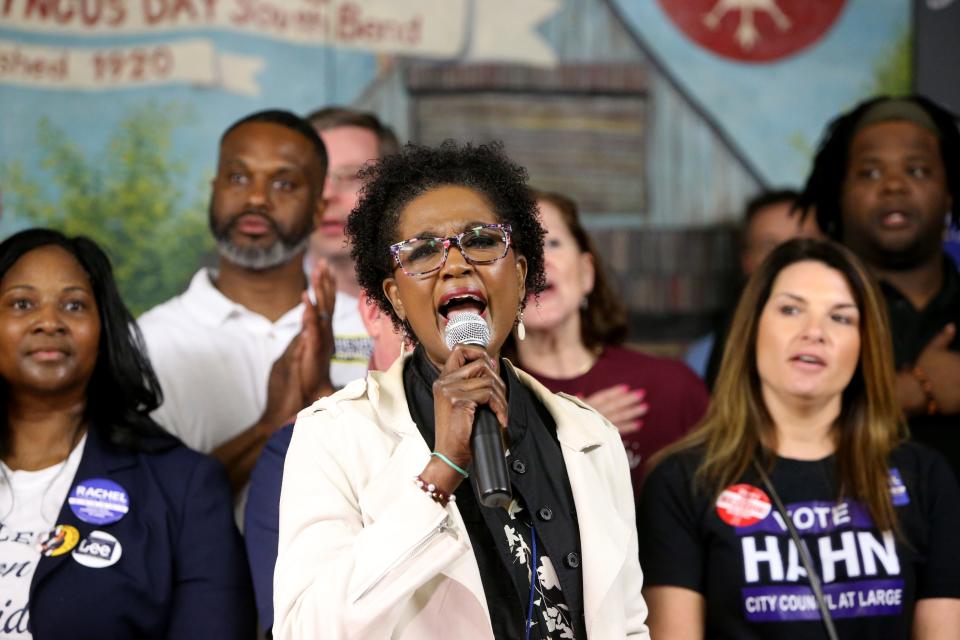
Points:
893	74
129	198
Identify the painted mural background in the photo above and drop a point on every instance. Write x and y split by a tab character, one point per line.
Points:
661	117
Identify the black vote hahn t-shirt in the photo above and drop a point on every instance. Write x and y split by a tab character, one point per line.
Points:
736	551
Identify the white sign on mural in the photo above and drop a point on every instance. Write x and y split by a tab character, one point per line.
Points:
470	30
194	62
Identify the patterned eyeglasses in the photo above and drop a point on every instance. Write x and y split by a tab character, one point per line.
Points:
482	244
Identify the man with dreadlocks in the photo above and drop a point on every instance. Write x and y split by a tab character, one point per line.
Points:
885	182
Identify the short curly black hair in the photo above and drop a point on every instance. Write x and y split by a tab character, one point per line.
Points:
824	187
392	182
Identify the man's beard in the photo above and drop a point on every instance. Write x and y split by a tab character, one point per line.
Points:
282	250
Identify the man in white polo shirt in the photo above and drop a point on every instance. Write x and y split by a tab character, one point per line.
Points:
229	352
353	139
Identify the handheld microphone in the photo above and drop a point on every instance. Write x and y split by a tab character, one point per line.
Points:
490	477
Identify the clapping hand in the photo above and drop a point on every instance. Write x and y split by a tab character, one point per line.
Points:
302	373
316	337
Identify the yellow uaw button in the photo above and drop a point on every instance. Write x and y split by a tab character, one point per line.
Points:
61	540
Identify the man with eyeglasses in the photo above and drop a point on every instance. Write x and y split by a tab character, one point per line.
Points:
353	139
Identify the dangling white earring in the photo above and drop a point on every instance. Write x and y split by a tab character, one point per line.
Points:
521	330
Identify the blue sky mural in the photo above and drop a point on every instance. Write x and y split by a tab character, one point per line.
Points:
774	110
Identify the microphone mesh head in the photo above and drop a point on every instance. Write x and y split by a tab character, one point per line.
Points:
466	328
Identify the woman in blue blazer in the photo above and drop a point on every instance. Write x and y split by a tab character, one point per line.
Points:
109	526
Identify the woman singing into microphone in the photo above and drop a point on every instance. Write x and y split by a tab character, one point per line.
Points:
380	536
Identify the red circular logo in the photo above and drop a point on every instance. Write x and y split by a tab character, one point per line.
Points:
742	505
753	30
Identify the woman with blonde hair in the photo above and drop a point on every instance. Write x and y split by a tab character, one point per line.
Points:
798	507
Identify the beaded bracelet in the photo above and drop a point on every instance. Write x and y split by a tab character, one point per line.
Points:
921	377
438	495
451	464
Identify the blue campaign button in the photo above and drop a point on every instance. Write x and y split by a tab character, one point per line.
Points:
898	490
99	501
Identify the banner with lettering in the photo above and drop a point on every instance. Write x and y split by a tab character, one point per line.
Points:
427	28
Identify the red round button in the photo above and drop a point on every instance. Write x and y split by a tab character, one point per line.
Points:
742	505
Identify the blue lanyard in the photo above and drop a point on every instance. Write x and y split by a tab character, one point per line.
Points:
533	577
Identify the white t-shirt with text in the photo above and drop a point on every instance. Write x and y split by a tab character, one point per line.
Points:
31	501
